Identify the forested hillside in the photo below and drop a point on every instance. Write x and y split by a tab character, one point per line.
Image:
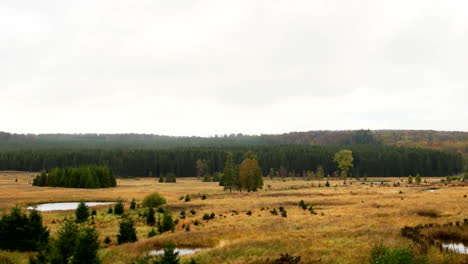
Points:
443	140
376	153
369	160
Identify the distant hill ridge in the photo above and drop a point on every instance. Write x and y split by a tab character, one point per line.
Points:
453	141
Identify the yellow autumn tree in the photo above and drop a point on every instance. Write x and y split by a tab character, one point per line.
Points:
250	174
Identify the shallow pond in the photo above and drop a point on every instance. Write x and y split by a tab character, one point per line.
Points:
456	247
181	251
63	206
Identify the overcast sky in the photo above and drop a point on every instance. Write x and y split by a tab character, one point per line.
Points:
215	67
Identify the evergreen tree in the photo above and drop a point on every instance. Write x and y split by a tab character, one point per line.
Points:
170	256
64	246
23	233
229	173
73	245
133	204
82	212
152	233
87	247
119	208
167	222
150	219
127	231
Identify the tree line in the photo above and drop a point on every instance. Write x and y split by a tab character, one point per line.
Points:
369	160
77	177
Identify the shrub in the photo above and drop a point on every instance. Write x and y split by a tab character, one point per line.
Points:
82	212
311	210
152	233
384	255
287	259
428	213
110	210
203	197
7	257
133	204
119	208
187	198
249	213
302	205
206	217
171	177
284	213
127	231
418	179
107	240
94	212
182	215
410	179
192	212
327	184
274	212
153	200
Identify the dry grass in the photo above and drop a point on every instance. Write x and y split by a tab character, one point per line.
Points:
350	220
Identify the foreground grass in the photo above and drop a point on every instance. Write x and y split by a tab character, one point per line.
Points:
350	219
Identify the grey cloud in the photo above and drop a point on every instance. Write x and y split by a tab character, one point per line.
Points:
264	56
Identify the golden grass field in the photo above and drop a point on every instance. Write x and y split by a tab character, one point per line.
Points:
350	220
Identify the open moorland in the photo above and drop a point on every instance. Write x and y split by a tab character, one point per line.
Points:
348	221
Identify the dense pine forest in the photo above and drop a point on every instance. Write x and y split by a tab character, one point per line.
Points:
369	160
376	153
77	177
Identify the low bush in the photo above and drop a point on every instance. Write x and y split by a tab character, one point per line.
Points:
428	213
385	255
153	200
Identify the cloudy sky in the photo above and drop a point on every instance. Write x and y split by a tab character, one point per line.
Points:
215	67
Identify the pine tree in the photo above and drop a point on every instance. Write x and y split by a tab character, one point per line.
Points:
167	222
150	219
119	207
73	245
170	256
87	247
22	233
127	231
133	204
82	212
229	173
